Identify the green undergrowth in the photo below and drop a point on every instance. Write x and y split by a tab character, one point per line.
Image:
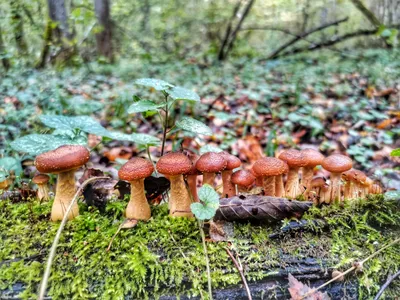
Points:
147	261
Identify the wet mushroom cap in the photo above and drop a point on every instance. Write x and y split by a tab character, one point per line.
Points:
269	166
359	176
193	170
349	175
135	168
243	178
337	163
211	162
294	158
40	179
62	159
313	157
318	182
232	162
174	163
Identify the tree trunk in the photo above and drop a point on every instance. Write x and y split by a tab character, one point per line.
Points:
4	60
104	38
18	27
58	14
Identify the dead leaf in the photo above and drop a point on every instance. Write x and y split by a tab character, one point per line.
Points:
298	290
118	152
249	149
129	223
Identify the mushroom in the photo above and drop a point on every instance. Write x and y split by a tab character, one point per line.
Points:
41	181
135	171
366	185
269	167
295	160
63	161
313	158
375	188
279	186
209	164
319	190
359	179
174	164
349	186
191	178
4	184
336	164
232	162
243	179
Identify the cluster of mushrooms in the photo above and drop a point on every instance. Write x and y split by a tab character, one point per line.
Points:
182	171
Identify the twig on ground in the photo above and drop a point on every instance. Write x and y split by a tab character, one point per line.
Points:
46	275
355	266
387	283
240	269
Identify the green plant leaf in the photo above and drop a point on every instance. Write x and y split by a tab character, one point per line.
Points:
180	93
11	164
138	138
192	125
35	144
208	195
202	212
395	152
158	84
143	106
392	195
209	148
209	203
84	123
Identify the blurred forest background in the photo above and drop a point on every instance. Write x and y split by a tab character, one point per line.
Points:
38	33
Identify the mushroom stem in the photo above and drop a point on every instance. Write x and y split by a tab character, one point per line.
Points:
208	178
308	174
335	187
228	187
179	199
325	194
43	192
347	190
192	182
269	185
279	187
292	183
65	192
138	208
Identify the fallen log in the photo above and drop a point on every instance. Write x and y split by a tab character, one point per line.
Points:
260	208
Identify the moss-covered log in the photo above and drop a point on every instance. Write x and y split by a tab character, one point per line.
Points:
147	261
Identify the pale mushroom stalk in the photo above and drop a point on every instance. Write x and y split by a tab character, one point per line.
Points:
292	184
279	186
138	207
43	192
228	187
325	194
208	178
179	199
335	186
192	183
269	185
65	191
313	158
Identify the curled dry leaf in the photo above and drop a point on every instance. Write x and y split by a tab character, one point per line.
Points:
298	290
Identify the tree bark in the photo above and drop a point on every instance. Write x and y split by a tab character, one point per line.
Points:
104	38
58	14
18	27
4	60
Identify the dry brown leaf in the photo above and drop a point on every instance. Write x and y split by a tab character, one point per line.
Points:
298	290
249	149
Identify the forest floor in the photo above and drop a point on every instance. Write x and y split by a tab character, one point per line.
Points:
331	102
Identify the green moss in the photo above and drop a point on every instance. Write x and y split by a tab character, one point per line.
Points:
146	261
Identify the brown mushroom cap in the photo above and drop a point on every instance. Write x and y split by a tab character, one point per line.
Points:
294	158
211	162
243	178
269	166
313	157
40	179
62	159
359	176
337	163
193	170
349	175
174	163
232	162
318	182
135	168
